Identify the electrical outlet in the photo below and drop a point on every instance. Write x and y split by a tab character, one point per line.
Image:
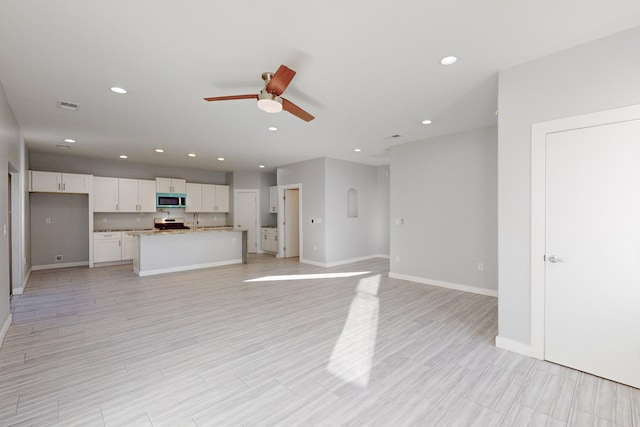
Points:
397	258
47	220
137	219
104	220
480	266
59	258
315	247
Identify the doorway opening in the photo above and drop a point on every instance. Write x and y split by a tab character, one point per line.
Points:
246	208
290	225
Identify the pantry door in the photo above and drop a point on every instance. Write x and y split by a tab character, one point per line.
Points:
592	256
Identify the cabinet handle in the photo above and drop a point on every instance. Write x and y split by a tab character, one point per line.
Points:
119	242
265	237
59	187
64	187
276	237
117	207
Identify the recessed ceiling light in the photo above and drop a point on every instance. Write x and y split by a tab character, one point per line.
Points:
357	150
221	159
191	155
426	122
448	60
261	166
63	147
159	150
117	89
272	128
123	156
70	141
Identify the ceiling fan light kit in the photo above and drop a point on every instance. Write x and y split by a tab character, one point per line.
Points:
269	102
269	99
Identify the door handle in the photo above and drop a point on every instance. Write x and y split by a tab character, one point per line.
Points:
554	259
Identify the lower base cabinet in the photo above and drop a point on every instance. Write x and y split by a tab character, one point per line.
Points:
112	246
269	239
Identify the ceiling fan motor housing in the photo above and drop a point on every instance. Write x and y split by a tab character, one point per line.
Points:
269	102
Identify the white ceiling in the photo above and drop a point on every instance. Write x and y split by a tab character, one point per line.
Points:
366	70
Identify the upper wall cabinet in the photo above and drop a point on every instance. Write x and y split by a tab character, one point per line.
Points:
105	194
123	195
171	185
273	199
207	198
55	182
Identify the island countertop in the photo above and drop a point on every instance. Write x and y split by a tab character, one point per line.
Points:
158	232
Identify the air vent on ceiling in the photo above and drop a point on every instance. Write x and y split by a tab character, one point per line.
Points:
393	136
65	105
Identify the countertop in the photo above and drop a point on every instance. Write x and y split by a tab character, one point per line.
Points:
155	232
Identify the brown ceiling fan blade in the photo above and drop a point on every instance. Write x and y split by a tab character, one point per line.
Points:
231	97
296	111
280	80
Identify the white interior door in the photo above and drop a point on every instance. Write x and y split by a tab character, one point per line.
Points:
292	223
592	285
246	214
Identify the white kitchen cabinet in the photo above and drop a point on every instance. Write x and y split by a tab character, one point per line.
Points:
269	239
107	246
136	195
147	195
112	246
194	198
222	198
207	198
127	247
171	185
273	199
105	194
56	182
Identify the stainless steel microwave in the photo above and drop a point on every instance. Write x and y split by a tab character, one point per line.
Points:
171	200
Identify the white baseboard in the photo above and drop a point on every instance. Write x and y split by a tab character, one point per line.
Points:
5	327
25	280
440	283
59	265
518	347
341	262
187	267
108	264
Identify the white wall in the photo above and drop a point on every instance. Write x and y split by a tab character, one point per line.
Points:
11	151
352	238
311	174
445	190
597	76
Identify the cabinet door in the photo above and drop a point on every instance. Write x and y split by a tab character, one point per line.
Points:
222	198
106	247
75	183
105	194
179	185
194	198
274	241
273	199
163	185
146	195
208	198
49	182
128	195
127	247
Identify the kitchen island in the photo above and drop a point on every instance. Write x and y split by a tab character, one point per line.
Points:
159	252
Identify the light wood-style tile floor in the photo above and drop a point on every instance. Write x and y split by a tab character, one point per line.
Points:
102	347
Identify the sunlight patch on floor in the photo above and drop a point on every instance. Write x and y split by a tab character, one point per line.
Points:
352	355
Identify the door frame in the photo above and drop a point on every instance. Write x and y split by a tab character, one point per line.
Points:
281	219
539	133
258	219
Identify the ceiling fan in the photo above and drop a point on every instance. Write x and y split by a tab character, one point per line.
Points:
269	98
